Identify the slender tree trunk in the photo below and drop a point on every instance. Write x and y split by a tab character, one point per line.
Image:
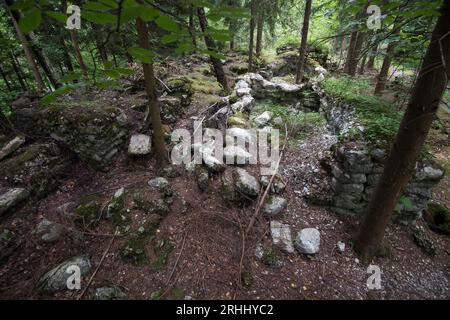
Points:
19	73
303	44
5	124
424	102
253	5
28	52
362	65
382	76
150	87
353	66
76	47
350	51
5	79
44	61
210	44
191	27
67	60
373	54
259	33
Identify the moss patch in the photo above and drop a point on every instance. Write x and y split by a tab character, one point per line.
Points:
133	250
88	212
438	216
162	249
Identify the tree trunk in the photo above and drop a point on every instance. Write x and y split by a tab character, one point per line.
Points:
350	51
153	108
362	65
382	77
191	27
424	102
27	50
5	79
353	66
373	54
43	61
252	34
73	38
259	33
19	73
67	60
210	44
5	125
303	44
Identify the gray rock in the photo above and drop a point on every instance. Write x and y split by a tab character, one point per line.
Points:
278	121
281	236
246	183
140	144
11	198
49	230
108	293
263	118
308	241
11	146
56	279
277	186
274	206
240	134
159	183
116	204
429	173
213	164
236	155
246	103
268	256
340	246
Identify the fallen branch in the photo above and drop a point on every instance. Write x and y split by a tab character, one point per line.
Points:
99	265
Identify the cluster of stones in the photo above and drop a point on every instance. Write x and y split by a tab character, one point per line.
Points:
355	172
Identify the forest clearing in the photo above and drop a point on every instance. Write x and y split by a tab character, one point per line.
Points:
224	150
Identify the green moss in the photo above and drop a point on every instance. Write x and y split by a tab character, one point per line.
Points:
88	212
424	242
271	257
133	251
158	206
247	279
440	217
238	120
156	295
177	294
162	249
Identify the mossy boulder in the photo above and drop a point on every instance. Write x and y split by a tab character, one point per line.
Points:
201	177
108	293
181	88
116	206
88	212
133	250
438	218
269	256
151	201
424	242
238	120
36	168
162	249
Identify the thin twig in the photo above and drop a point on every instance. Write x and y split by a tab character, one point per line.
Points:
100	264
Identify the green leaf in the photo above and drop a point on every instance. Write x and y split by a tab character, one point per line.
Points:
169	38
95	6
58	16
71	76
148	14
30	21
51	97
99	18
141	54
213	54
167	23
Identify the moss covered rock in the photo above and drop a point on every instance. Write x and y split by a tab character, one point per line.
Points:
88	212
438	217
133	250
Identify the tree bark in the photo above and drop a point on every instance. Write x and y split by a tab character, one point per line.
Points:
251	43
27	50
191	27
19	73
350	51
303	44
259	33
382	76
73	38
43	60
373	54
424	102
210	44
153	108
5	79
353	66
362	65
5	124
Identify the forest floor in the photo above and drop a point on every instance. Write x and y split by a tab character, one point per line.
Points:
205	262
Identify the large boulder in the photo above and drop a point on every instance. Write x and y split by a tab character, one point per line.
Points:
308	241
246	183
56	279
11	198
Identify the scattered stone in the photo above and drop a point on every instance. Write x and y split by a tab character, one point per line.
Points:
278	186
140	144
108	293
281	236
202	178
341	246
159	183
274	205
116	205
246	183
56	279
11	198
424	242
308	241
263	118
50	231
11	146
278	121
269	256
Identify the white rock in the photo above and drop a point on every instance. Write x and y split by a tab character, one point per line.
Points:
140	144
11	146
240	134
263	118
321	70
308	241
274	205
281	236
11	197
236	155
341	246
246	183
